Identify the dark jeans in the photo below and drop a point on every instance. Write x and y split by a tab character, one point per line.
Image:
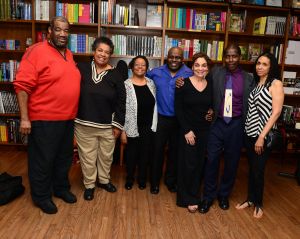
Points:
256	175
50	153
228	138
167	132
138	153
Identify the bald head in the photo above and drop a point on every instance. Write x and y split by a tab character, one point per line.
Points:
175	58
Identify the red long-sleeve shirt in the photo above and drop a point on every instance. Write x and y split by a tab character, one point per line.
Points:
51	81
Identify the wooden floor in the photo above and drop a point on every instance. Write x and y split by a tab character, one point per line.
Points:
139	214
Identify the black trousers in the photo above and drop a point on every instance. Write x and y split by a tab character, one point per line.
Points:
50	153
227	138
167	132
138	153
190	168
256	175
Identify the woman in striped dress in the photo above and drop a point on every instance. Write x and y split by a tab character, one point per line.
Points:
265	104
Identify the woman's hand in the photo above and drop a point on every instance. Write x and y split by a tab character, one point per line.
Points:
190	138
179	82
123	138
116	132
209	115
259	145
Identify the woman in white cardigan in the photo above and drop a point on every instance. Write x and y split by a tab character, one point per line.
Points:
140	121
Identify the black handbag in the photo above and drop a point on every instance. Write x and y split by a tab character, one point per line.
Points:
274	139
10	188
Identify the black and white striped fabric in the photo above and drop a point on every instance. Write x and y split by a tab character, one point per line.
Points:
259	111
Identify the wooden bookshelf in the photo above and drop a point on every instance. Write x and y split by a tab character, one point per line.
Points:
23	30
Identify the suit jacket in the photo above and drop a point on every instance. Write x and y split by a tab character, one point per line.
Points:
218	74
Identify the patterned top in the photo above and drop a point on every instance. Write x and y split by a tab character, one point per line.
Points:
260	110
131	125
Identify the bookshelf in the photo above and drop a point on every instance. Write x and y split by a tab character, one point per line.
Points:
171	23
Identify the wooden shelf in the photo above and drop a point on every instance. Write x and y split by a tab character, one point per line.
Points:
131	27
12	51
259	8
199	3
6	83
294	38
130	57
245	34
291	66
9	115
195	31
18	21
12	144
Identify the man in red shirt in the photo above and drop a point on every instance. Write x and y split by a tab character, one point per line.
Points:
48	87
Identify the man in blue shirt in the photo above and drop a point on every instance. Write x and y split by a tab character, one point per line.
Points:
164	78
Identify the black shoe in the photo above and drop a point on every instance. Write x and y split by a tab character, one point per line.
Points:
47	206
223	203
109	187
204	206
128	185
89	194
67	196
154	189
172	188
142	186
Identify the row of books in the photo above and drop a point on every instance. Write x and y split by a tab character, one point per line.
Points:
8	70
15	9
271	25
42	10
214	49
251	51
8	103
292	55
133	45
81	43
187	18
9	132
78	12
290	116
295	26
7	44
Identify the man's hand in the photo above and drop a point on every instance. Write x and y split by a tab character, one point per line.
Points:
123	138
25	127
209	115
116	132
179	82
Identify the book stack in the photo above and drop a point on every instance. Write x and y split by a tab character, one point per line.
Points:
15	9
117	14
149	46
8	70
214	49
8	103
9	44
80	43
186	18
42	10
250	51
9	132
295	26
271	25
293	53
78	12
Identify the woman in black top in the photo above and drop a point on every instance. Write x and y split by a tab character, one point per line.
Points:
140	121
100	118
192	103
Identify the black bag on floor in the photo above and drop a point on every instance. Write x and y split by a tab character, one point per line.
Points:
10	188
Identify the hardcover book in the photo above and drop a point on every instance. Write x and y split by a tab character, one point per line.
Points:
154	16
235	22
254	51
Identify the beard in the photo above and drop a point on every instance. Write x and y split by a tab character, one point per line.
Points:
58	44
